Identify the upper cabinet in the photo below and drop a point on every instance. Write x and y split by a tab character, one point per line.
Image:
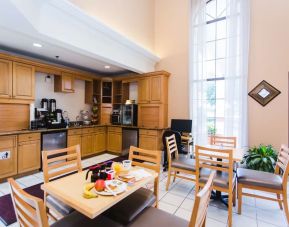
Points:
153	89
6	78
64	83
17	80
23	81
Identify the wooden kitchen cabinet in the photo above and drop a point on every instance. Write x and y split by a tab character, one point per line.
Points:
64	83
114	139
6	78
8	167
73	140
87	145
153	115
29	154
144	90
100	139
23	81
106	111
150	139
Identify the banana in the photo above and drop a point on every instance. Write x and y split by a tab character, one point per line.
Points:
87	193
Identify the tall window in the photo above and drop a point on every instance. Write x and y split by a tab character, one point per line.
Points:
219	68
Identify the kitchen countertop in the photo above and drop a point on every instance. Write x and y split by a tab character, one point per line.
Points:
25	131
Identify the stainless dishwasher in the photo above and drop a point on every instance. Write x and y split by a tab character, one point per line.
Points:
129	138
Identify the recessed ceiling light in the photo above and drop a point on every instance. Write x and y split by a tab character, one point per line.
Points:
37	45
107	67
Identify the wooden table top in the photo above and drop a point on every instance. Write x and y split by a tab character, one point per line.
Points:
69	190
238	153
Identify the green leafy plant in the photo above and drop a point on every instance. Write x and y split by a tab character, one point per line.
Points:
261	158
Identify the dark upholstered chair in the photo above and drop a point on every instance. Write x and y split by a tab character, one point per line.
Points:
269	182
177	164
126	210
30	211
155	217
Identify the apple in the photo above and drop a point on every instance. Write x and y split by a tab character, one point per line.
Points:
99	185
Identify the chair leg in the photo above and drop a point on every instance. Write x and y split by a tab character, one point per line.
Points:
230	209
285	203
280	202
234	196
175	175
204	222
169	179
239	189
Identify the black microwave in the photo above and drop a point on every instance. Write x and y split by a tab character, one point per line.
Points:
116	118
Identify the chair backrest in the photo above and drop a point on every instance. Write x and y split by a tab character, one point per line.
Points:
178	137
29	210
201	203
224	141
150	159
172	147
282	165
60	162
214	159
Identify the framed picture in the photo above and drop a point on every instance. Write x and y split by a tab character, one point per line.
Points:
264	92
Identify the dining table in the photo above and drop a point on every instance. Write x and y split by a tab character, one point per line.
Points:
238	154
69	190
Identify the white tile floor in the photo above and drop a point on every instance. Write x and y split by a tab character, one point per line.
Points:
179	200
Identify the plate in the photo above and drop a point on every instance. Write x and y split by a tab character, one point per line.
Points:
121	187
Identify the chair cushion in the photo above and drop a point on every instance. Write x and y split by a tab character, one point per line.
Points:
61	207
221	179
76	219
184	163
127	209
259	178
155	217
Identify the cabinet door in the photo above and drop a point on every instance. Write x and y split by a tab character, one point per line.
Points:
23	81
28	156
73	140
106	111
8	167
148	142
99	142
87	145
67	82
156	89
143	90
6	78
114	142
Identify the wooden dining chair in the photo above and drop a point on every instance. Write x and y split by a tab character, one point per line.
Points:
127	209
30	211
156	217
221	161
268	182
176	164
225	141
57	163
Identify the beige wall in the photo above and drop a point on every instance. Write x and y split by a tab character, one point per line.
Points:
132	18
269	60
172	45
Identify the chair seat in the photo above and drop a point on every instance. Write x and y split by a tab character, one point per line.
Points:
221	178
76	219
184	163
127	209
155	217
61	207
259	178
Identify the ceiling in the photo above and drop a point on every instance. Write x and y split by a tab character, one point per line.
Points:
19	30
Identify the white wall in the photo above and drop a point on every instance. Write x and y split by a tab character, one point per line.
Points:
70	102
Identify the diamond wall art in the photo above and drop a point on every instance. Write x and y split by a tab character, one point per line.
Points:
264	92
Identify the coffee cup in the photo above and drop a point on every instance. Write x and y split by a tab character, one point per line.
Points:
126	164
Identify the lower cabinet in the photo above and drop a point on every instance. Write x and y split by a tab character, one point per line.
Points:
8	146
150	139
87	147
114	139
28	156
99	140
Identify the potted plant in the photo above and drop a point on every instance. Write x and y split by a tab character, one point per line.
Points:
261	158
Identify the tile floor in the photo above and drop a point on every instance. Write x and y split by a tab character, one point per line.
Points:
179	200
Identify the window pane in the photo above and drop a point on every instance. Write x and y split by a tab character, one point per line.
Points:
220	68
210	68
211	10
221	8
220	89
211	93
220	108
210	50
221	29
221	48
220	126
211	32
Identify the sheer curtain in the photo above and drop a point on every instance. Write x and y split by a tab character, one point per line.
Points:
234	54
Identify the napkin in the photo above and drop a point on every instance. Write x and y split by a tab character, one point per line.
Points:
140	174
